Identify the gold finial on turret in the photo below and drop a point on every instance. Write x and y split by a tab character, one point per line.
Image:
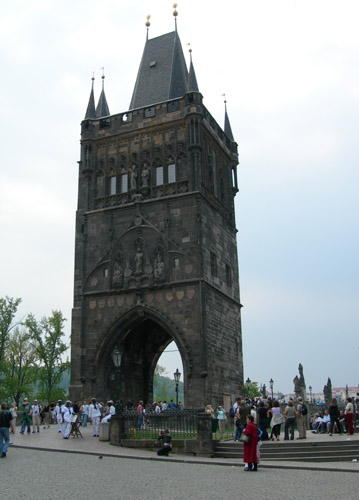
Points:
175	13
225	100
147	24
93	76
103	72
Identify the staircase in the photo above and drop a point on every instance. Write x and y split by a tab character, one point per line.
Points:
304	451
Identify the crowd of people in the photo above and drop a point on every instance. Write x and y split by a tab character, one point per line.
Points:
68	415
268	417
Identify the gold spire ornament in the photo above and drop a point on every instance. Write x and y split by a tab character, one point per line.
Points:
225	100
148	24
175	13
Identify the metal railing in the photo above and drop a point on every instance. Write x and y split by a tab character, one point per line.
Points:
182	424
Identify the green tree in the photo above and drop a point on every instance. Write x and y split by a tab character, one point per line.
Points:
19	366
47	339
8	310
253	391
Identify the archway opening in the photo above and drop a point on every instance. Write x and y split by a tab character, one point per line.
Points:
165	387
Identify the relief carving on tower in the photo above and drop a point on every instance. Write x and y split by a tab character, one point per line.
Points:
141	258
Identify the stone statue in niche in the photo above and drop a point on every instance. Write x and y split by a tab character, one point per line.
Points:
159	272
117	279
145	175
139	257
133	178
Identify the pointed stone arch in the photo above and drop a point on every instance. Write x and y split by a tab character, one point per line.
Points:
141	334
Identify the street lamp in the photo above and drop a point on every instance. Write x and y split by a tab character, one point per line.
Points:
177	376
271	383
116	358
310	392
248	384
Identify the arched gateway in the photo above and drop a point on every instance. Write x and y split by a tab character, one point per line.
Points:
141	336
156	252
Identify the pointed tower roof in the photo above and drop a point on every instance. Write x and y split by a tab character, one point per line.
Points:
192	80
90	112
227	125
163	72
102	107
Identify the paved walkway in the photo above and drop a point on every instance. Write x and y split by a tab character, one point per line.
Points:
51	440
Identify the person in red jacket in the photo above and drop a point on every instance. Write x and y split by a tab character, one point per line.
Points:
250	449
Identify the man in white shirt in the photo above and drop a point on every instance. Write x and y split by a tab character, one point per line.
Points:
85	414
94	415
67	413
58	415
111	411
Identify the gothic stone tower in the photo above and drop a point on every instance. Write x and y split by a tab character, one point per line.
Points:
156	252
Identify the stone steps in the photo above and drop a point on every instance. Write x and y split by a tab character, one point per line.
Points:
294	451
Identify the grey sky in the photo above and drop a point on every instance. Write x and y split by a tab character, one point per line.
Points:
290	73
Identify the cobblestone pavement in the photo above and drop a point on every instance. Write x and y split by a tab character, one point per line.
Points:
39	475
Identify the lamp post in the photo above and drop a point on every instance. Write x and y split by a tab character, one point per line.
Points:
177	376
310	392
271	383
116	358
248	384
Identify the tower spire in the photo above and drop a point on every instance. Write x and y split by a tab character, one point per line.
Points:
102	107
227	125
90	112
192	80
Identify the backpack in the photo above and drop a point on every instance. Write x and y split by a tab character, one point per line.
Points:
231	412
304	409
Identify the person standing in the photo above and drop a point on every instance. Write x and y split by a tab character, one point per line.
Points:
46	413
58	415
349	415
94	415
67	413
35	415
263	421
276	421
13	411
222	417
301	420
85	414
289	414
26	418
6	422
334	414
250	449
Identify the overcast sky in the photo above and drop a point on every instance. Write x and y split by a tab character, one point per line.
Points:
290	73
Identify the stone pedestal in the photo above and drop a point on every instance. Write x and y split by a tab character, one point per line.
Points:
104	431
203	445
117	429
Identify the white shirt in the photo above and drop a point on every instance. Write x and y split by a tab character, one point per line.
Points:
94	412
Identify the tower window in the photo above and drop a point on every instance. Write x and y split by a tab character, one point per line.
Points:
105	272
213	265
124	183
172	172
113	185
176	263
159	176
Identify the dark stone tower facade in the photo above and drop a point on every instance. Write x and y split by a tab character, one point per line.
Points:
156	251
